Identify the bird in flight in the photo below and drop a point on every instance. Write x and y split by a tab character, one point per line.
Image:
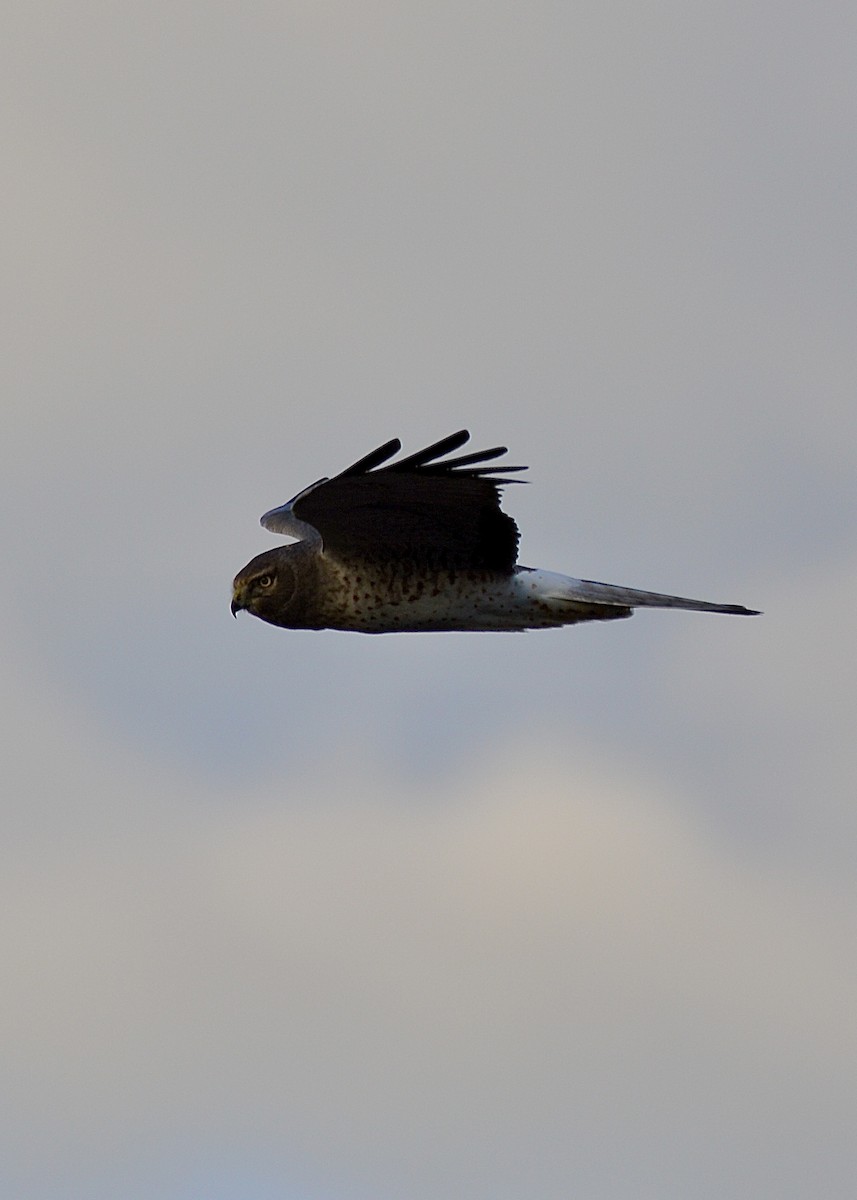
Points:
419	544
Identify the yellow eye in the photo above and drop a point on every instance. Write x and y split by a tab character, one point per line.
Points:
265	581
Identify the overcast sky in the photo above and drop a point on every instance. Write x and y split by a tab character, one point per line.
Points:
316	916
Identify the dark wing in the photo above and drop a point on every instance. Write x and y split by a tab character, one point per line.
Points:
435	513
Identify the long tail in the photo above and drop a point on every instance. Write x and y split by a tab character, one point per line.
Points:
608	593
561	590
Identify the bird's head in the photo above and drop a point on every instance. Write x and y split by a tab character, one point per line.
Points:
268	587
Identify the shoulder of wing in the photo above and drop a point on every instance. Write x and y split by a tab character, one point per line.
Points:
285	520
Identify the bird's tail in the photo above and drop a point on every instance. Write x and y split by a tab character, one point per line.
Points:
561	591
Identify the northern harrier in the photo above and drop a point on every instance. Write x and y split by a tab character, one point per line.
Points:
419	544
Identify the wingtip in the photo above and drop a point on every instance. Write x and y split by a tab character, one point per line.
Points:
428	455
374	459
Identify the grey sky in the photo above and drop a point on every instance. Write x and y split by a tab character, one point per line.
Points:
311	916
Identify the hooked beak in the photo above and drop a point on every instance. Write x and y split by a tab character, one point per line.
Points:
237	604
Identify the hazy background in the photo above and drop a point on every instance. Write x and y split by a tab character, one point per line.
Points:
290	916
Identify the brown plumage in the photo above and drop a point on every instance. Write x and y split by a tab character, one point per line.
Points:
419	544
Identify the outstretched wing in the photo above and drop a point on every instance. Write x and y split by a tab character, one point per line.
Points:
443	514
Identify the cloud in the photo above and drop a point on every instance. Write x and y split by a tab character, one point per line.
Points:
785	717
484	980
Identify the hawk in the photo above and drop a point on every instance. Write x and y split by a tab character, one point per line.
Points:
419	544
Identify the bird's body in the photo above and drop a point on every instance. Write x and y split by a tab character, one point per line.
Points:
420	545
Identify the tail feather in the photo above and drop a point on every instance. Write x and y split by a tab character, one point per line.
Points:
585	600
591	592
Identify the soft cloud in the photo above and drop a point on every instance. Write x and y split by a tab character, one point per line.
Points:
786	717
483	981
